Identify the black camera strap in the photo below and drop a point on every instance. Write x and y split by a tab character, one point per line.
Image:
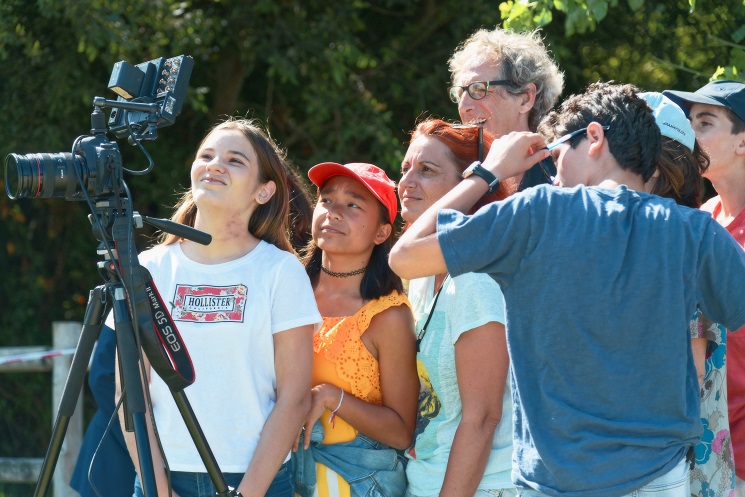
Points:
420	336
165	348
171	344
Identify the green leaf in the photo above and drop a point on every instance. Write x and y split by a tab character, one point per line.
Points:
517	16
737	58
739	35
543	17
727	72
598	9
635	4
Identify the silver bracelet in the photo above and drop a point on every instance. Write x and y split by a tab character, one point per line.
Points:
333	413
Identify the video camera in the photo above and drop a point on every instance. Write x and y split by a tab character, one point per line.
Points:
150	96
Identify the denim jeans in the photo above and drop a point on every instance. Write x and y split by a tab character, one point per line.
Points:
674	483
200	485
371	468
504	492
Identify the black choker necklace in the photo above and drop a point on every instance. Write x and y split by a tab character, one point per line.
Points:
343	275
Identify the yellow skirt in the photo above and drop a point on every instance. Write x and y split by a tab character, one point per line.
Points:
329	483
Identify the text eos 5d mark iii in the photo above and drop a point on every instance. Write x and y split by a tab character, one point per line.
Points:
151	95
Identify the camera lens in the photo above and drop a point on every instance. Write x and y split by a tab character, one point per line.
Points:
40	175
12	178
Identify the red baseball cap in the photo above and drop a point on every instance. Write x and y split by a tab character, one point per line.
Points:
369	175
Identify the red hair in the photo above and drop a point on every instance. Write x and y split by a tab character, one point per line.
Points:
463	144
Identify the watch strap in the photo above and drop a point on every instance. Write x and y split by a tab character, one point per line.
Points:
483	173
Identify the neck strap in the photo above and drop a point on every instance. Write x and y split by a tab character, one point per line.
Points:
431	311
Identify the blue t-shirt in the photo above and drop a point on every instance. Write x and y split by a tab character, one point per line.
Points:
599	285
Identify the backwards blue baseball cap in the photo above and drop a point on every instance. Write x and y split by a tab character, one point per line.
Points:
670	118
723	93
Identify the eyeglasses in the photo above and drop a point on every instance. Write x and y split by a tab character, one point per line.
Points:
481	137
476	90
562	140
569	136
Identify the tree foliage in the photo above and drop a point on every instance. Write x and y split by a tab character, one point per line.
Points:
339	81
684	34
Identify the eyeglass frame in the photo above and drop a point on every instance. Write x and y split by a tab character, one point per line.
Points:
467	88
570	136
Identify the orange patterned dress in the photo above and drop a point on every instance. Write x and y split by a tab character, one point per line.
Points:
341	359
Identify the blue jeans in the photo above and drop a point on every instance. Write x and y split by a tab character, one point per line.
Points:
200	485
370	467
674	483
503	492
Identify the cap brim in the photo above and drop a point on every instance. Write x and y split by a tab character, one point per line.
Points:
685	98
320	174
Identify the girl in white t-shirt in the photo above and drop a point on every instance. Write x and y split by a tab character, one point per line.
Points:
245	309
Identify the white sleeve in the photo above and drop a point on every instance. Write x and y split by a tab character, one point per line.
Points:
293	302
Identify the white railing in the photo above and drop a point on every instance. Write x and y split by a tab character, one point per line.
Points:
40	359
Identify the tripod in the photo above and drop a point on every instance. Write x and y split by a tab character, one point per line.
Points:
128	291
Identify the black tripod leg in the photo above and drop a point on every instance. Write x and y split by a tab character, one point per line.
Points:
94	312
134	404
200	442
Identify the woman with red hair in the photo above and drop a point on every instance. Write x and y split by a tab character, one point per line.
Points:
463	439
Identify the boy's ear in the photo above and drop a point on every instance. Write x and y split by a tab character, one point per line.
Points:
740	148
596	136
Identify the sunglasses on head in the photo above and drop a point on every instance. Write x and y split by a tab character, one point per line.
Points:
569	136
480	140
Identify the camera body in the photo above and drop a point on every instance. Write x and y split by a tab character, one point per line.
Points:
151	95
53	175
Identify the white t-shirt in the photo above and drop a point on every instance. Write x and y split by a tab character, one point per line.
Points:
466	302
227	314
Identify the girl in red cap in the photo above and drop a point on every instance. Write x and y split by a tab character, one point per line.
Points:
364	372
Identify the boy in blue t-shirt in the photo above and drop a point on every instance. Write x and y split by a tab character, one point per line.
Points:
599	282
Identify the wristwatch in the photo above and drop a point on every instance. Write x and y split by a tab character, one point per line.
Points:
483	173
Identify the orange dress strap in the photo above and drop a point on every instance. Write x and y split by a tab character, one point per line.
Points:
339	342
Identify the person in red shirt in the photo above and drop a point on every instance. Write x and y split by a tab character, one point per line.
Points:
717	114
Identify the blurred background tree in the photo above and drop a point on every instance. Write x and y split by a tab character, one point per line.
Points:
333	80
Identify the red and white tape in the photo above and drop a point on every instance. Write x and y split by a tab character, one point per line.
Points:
34	356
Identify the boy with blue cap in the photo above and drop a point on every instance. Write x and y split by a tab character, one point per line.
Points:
717	113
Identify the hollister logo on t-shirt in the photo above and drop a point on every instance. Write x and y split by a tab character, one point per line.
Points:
209	303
